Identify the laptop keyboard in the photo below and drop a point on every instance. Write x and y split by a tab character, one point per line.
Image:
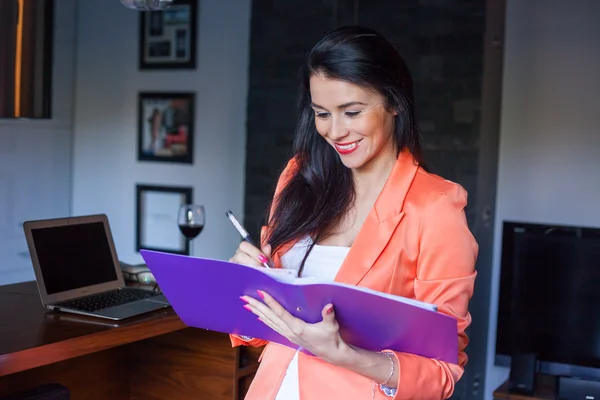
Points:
109	299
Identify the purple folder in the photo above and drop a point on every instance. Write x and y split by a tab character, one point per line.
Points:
206	294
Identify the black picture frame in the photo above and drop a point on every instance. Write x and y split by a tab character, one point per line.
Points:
166	126
157	208
168	38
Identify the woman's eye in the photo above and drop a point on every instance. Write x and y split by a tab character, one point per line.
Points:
352	113
321	115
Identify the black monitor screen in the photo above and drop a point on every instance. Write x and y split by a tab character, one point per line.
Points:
74	256
550	294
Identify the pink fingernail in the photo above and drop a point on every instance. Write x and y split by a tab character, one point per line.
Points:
330	310
243	299
247	307
262	258
262	296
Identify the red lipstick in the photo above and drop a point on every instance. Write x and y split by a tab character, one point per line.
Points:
346	148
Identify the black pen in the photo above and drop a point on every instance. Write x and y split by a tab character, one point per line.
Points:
243	232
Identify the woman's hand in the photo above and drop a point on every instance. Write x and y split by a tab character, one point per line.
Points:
247	254
321	339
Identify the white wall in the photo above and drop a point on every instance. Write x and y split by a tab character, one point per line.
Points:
549	169
35	158
105	166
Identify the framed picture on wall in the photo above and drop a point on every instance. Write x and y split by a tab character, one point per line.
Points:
157	208
166	127
168	37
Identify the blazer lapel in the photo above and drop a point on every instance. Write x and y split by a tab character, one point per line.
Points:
284	249
381	222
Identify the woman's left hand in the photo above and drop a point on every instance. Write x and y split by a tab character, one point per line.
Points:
321	339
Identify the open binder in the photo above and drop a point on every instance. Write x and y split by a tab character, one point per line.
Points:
205	293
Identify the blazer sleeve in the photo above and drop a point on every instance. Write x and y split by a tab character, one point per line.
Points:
445	277
237	340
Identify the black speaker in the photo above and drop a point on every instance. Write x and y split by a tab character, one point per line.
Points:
570	388
523	371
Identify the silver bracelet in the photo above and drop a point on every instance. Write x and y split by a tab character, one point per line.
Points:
391	357
383	385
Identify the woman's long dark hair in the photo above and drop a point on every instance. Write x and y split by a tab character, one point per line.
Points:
321	190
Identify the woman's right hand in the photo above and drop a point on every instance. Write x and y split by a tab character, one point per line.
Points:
247	254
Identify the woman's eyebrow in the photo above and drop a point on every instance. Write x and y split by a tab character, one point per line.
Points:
345	105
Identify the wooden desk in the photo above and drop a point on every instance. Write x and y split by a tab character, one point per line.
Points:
545	389
150	357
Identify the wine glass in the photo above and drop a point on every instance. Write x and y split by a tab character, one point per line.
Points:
191	221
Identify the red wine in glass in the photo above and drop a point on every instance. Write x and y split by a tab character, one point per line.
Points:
191	231
190	221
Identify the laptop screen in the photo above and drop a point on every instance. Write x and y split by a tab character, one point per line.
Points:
74	256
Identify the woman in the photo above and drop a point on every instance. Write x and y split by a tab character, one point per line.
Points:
355	205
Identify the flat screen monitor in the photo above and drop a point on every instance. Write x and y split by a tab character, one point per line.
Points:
549	301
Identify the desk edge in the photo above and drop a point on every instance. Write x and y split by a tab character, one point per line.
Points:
78	346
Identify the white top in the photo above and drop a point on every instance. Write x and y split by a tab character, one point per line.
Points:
323	264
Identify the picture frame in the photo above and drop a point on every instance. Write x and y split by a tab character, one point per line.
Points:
168	38
157	209
166	126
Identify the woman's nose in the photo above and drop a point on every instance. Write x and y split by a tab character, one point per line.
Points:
337	130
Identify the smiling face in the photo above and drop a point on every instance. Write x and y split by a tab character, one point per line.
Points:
353	120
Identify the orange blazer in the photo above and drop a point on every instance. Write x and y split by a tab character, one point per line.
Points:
415	243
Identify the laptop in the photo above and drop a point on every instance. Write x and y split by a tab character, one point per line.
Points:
77	269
